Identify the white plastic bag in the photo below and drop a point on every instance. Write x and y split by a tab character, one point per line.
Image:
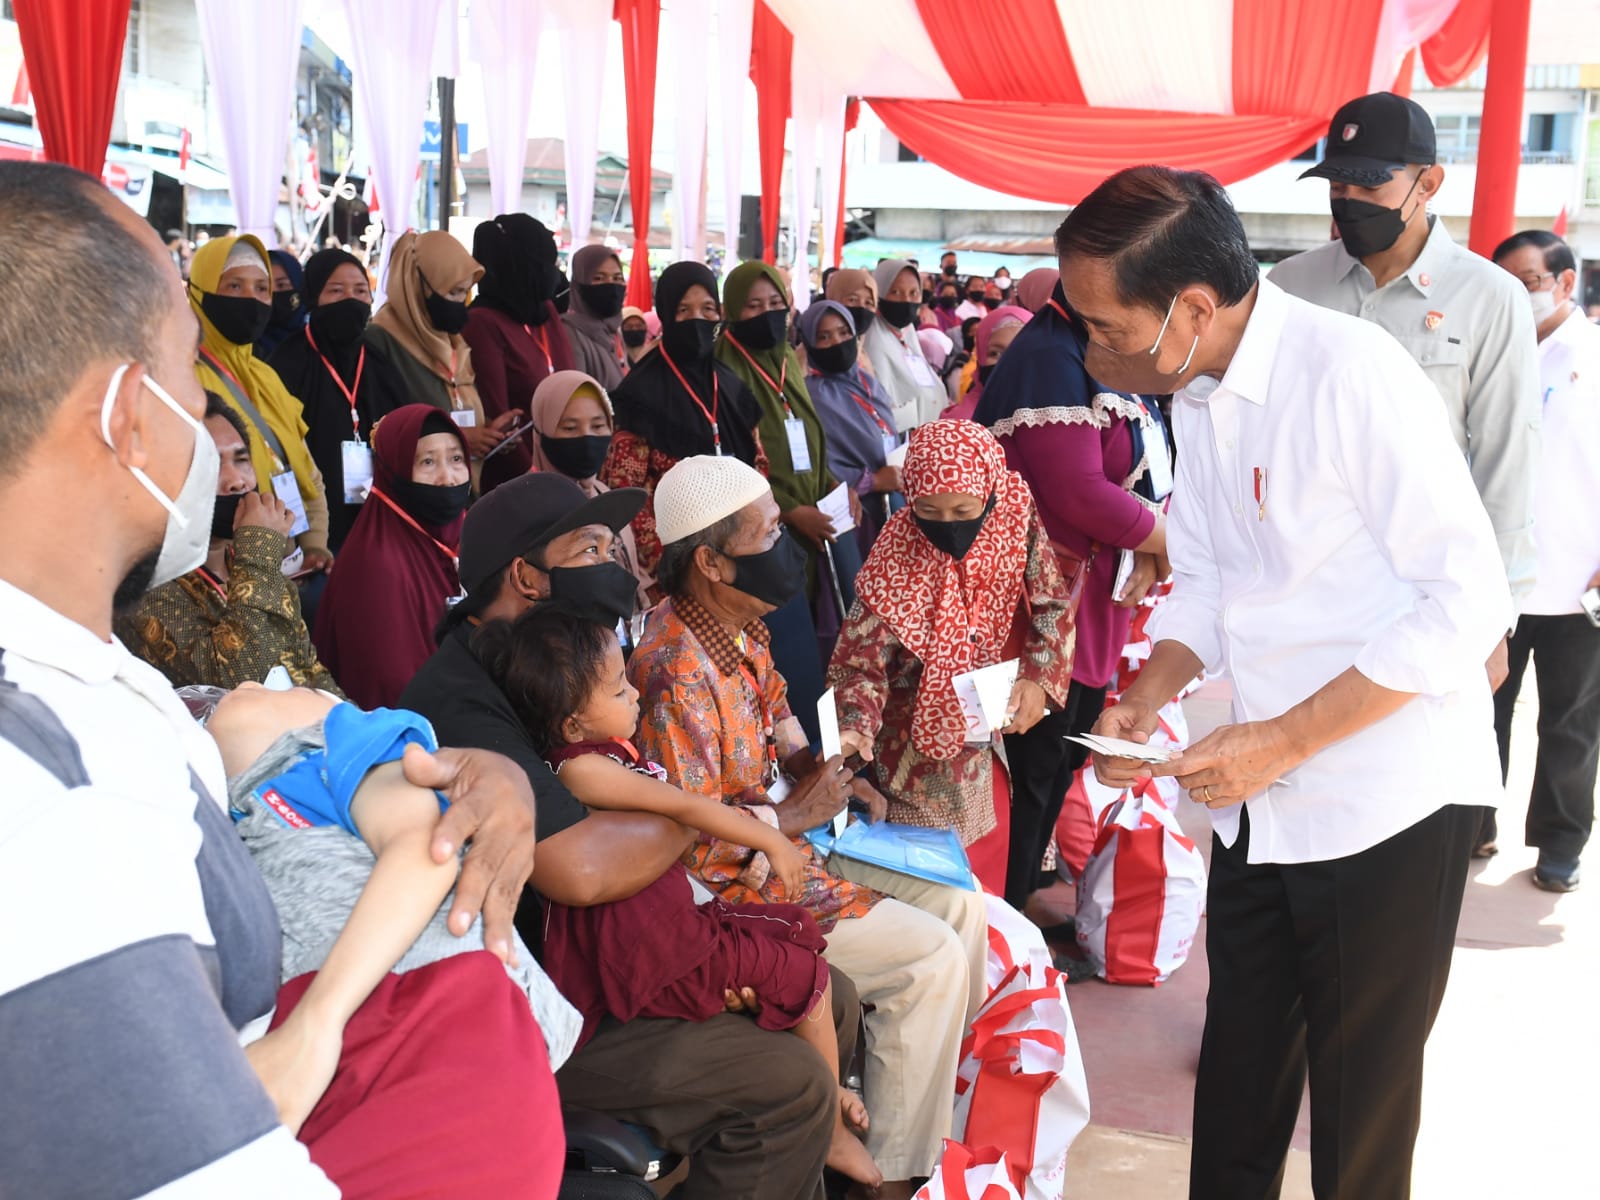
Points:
964	1174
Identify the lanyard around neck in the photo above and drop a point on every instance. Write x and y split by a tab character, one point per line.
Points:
349	391
710	414
411	521
783	373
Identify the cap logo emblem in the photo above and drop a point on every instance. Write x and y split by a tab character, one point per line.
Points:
1349	133
1433	320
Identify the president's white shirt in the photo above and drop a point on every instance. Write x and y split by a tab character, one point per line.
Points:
1323	517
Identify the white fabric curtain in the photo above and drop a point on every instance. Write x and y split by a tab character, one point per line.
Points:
687	35
391	57
735	23
583	27
1405	23
830	146
252	54
1175	55
805	115
505	45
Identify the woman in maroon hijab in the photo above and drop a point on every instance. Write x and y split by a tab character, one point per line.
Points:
397	571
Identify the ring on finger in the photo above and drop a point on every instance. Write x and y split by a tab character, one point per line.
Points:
1205	791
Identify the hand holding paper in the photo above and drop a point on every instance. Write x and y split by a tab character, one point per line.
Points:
836	507
1118	748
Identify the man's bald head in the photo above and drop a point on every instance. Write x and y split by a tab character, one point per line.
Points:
85	281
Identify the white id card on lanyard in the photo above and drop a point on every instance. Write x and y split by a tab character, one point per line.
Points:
465	418
287	489
1159	459
799	448
355	458
889	444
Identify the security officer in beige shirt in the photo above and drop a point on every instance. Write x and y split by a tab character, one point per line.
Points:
1467	323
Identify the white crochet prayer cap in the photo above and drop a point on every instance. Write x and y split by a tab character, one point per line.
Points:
243	254
697	492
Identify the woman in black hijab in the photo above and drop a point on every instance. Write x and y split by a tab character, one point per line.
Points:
344	384
678	401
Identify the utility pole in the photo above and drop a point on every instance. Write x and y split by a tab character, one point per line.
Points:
447	150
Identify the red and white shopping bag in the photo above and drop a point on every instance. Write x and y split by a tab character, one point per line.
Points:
1020	1086
1143	890
1013	940
964	1174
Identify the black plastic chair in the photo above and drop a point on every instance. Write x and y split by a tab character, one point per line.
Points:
610	1160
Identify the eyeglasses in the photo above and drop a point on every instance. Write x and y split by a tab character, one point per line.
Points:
1532	281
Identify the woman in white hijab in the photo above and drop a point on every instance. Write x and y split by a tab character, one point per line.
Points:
915	393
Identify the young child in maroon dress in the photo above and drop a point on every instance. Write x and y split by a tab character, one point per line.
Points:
658	953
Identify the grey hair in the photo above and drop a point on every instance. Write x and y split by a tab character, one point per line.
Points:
677	560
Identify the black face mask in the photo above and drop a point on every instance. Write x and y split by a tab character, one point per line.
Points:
603	592
991	302
227	507
1366	228
604	300
837	358
899	313
576	457
284	306
863	317
774	576
948	303
689	341
431	503
560	293
340	323
947	271
239	319
975	297
634	338
762	331
955	538
927	299
447	316
986	370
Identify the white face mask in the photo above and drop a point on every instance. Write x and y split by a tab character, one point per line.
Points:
187	539
1543	305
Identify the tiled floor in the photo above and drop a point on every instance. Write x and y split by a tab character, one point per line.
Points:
1513	1089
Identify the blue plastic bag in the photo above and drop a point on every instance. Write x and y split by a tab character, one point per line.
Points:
932	854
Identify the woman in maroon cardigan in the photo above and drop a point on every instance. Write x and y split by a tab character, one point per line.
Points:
1084	450
516	335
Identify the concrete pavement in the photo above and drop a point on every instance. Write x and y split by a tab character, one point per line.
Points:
1512	1098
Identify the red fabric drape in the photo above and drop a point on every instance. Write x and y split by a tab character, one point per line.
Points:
1402	79
852	117
641	28
1500	140
74	56
771	53
977	43
1057	154
1453	53
1329	45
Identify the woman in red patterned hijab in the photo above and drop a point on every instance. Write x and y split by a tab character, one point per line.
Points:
958	580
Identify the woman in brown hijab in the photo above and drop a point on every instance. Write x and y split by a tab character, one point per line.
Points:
594	317
419	330
857	291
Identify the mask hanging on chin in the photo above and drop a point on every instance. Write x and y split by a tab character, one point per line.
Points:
774	576
187	538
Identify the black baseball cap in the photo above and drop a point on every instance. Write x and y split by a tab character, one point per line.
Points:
530	511
1372	136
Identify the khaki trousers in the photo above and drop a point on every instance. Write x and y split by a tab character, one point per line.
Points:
914	966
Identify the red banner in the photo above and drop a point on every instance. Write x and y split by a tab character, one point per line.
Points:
74	58
641	29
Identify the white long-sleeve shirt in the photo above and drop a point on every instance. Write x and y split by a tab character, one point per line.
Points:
1368	547
1567	528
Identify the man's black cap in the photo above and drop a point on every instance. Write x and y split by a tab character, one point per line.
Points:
528	512
1373	135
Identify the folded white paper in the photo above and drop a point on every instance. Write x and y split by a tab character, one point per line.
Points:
897	456
1117	748
984	696
836	507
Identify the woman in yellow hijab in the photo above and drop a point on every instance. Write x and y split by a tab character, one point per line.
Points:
230	286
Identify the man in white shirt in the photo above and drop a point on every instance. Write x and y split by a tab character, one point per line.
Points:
139	943
1330	551
1554	631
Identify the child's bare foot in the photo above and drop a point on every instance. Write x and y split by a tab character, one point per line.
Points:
850	1158
853	1111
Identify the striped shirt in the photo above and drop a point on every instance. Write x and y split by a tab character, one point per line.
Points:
138	939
